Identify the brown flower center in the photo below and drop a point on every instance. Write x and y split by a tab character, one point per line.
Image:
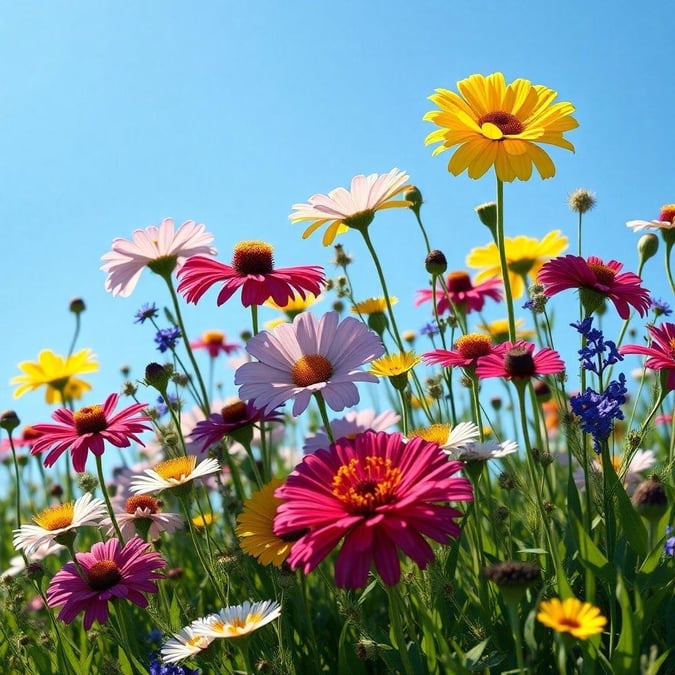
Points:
518	362
90	420
234	412
667	214
253	257
458	282
363	485
310	369
30	434
142	502
569	622
603	274
473	345
103	575
507	123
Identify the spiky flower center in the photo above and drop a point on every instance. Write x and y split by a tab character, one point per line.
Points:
234	412
177	468
103	574
518	362
56	517
213	337
459	282
507	123
473	345
311	369
364	484
667	214
90	420
436	433
603	275
142	502
253	257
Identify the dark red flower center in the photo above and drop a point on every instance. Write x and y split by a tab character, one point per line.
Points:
667	214
459	282
90	420
235	412
253	257
518	362
311	369
364	484
473	345
508	124
603	274
103	575
30	434
143	502
569	622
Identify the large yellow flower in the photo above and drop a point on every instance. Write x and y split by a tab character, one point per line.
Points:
56	373
524	257
500	125
580	619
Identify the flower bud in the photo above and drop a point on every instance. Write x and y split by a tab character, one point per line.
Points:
157	376
647	246
513	577
488	215
77	306
9	420
436	263
414	196
650	499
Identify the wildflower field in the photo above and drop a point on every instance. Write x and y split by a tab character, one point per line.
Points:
465	498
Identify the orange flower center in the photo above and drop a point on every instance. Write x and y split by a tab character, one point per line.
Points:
473	345
518	362
363	485
603	274
671	344
103	575
569	622
310	369
253	257
508	124
177	468
143	502
234	412
90	420
213	337
458	282
436	433
30	434
56	517
667	214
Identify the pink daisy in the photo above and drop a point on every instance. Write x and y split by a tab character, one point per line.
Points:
468	349
464	295
214	343
142	514
26	439
665	221
109	571
309	356
378	492
517	361
592	274
159	248
88	429
253	270
661	352
233	417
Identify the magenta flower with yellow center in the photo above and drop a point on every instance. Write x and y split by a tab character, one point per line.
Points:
88	429
500	125
468	349
142	514
253	271
214	342
463	294
356	208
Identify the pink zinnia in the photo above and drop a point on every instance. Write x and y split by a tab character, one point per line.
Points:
88	429
464	295
592	274
378	492
109	571
517	361
309	356
214	343
468	349
253	270
661	352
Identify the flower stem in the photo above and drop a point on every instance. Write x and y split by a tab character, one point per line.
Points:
106	497
321	404
395	613
514	621
508	295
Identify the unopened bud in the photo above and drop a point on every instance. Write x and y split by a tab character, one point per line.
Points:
436	263
488	215
414	196
650	499
647	246
9	420
77	306
157	376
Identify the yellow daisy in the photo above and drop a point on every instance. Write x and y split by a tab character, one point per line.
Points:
525	256
579	619
373	306
498	330
393	365
500	125
295	305
56	373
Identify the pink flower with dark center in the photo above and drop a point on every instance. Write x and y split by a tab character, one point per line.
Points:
26	439
308	356
214	343
378	493
661	351
142	514
253	271
517	361
109	571
468	349
88	429
464	295
592	277
159	248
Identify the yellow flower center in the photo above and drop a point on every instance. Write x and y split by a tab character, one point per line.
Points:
213	337
363	485
458	282
667	214
253	257
237	626
143	502
311	369
507	123
197	641
436	433
518	362
671	344
103	575
603	274
90	420
177	468
56	517
473	345
234	412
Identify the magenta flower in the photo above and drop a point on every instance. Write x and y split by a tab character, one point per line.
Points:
232	418
596	276
308	356
517	361
88	429
468	349
109	571
464	295
661	352
379	493
214	342
253	271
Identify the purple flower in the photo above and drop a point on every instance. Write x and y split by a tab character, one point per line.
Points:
429	329
592	355
669	547
660	307
147	311
167	338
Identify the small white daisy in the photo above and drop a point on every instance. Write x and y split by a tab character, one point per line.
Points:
481	452
173	473
450	439
237	620
183	645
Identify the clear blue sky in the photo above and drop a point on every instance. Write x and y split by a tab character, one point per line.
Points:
115	115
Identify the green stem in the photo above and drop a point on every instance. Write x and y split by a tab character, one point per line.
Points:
71	349
508	295
514	621
18	484
321	404
395	612
106	497
670	240
424	232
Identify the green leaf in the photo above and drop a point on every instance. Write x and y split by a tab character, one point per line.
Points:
590	555
626	656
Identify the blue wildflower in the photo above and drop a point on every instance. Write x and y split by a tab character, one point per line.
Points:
669	547
162	407
158	668
597	352
429	329
660	307
147	311
167	338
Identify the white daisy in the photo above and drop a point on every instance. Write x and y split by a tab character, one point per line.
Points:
237	620
459	437
17	564
183	645
481	452
172	474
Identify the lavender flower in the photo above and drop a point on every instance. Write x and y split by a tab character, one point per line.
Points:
167	338
147	311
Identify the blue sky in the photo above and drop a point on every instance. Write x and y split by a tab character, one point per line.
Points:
116	115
